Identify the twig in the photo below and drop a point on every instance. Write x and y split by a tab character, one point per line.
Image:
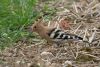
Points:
85	53
92	37
77	28
77	53
84	37
75	7
49	24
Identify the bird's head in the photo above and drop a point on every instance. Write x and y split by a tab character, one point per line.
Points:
38	26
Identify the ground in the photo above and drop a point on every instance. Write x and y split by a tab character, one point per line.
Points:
35	52
43	55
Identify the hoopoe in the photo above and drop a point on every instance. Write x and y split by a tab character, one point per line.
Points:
52	34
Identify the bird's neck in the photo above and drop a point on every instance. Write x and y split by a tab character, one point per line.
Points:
42	30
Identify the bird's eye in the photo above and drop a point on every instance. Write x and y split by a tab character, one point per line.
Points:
34	26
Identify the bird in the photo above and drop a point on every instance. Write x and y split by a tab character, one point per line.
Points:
53	34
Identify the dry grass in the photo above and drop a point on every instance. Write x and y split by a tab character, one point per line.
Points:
84	19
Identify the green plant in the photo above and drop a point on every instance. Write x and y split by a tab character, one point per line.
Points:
15	15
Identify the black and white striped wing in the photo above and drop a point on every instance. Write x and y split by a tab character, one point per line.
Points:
59	35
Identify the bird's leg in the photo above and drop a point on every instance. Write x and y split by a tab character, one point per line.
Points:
60	44
48	43
70	43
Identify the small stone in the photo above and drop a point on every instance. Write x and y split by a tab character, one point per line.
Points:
18	62
47	55
67	64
